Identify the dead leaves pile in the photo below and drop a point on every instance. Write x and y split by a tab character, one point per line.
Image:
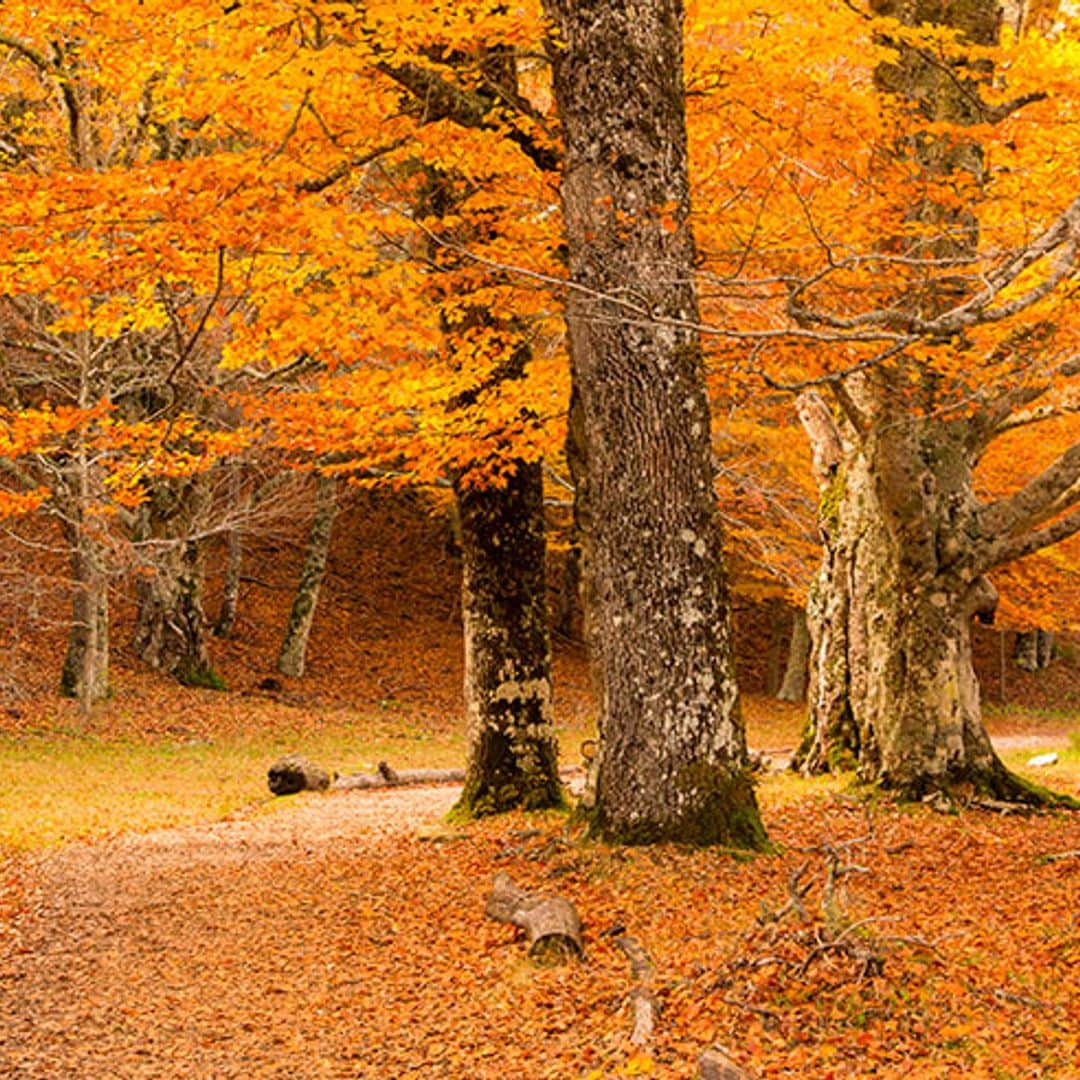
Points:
369	956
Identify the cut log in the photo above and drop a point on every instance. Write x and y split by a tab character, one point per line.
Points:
716	1065
384	776
291	774
551	923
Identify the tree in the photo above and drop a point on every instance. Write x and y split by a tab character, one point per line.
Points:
292	657
671	760
908	543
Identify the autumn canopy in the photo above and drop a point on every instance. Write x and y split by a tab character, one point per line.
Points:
786	297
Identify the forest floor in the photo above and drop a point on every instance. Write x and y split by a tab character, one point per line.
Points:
344	935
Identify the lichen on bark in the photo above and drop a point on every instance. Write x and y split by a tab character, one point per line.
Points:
513	750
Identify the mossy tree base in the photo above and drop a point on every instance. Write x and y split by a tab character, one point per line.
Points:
718	809
994	783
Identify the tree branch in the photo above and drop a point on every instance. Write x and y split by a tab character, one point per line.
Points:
1006	517
1008	549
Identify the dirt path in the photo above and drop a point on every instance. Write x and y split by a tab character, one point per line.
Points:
158	955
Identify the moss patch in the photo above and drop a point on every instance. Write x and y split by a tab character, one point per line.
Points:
720	811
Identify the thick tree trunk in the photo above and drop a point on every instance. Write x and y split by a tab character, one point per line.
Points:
170	627
293	655
892	685
671	761
793	685
513	752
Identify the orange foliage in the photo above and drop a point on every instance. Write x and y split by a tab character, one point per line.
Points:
252	177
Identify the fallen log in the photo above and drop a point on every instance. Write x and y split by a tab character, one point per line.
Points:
551	923
384	776
643	1001
291	774
716	1065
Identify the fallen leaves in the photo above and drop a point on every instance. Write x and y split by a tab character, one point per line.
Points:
365	952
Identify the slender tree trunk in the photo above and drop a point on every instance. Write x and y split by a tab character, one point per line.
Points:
775	650
793	685
671	759
225	622
293	655
513	752
85	674
569	596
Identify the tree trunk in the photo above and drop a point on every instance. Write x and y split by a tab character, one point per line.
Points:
513	753
293	655
775	650
892	684
234	565
568	601
671	761
1034	650
793	686
170	627
85	674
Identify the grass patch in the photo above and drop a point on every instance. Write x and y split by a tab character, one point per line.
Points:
61	786
1063	776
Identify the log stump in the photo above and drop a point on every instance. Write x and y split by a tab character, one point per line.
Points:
551	924
291	774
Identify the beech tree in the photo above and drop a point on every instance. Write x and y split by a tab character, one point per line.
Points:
671	760
908	541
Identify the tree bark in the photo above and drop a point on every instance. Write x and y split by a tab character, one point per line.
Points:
513	751
170	627
671	762
293	655
892	686
793	685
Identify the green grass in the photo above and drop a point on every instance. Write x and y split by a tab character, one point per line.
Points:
1063	776
58	787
